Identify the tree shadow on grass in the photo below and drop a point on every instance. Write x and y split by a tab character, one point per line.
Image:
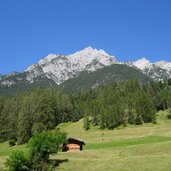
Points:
57	162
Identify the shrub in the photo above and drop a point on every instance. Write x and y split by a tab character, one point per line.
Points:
169	115
41	146
17	162
12	143
86	125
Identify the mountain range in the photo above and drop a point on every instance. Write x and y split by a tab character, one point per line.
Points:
60	70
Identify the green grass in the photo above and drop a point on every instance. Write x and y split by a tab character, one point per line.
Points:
134	148
64	125
95	135
145	147
5	149
146	157
128	142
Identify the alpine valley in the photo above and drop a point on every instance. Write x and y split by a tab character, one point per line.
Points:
84	69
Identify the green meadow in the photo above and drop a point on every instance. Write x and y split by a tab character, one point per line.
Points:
144	147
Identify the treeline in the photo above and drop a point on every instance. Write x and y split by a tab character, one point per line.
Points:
129	102
32	112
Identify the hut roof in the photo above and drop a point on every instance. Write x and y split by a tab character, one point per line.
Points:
76	140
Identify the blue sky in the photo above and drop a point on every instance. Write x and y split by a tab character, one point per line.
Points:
127	29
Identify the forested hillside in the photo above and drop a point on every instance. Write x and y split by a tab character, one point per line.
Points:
108	75
22	85
109	106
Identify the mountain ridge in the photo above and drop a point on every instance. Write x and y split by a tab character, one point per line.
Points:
59	68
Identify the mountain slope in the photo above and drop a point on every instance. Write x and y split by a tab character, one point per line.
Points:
18	83
84	81
158	71
107	75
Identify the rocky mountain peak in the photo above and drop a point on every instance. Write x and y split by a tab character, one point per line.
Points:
142	63
164	65
60	67
90	53
84	57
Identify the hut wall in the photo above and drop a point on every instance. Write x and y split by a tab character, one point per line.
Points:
73	147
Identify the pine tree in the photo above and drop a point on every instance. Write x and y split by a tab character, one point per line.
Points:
24	122
86	125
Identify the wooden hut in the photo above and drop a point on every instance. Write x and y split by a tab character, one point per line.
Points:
73	144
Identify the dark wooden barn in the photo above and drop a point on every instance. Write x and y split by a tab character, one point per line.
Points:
73	144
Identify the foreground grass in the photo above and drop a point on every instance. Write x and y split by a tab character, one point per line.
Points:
5	149
128	142
134	148
147	157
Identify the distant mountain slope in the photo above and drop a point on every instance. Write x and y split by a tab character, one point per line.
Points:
158	71
85	80
107	75
17	83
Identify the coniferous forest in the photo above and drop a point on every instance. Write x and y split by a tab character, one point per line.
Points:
110	106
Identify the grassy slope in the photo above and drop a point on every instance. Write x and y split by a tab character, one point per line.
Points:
95	135
134	148
148	157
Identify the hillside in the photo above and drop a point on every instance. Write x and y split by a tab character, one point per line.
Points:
21	84
121	148
147	145
108	75
75	129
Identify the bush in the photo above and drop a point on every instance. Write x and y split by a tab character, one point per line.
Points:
12	143
169	115
42	145
17	162
86	125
